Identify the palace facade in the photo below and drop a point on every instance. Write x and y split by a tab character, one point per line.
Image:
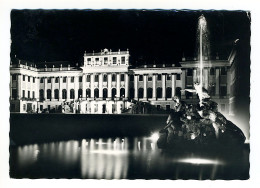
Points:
106	83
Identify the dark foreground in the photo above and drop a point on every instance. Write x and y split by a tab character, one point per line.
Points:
111	147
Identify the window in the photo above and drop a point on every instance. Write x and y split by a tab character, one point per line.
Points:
212	71
56	94
105	61
122	92
41	80
88	93
72	94
88	78
14	93
140	93
159	77
14	77
33	95
33	79
89	61
23	77
189	72
159	92
223	71
150	78
223	90
96	78
57	80
178	77
168	77
29	78
105	93
23	93
149	93
24	107
41	107
105	78
96	93
122	77
113	92
131	77
168	92
29	94
114	60
97	60
80	79
122	60
113	77
141	78
80	93
41	94
49	80
64	79
64	94
48	94
72	79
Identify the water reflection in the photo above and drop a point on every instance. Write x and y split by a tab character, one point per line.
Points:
120	158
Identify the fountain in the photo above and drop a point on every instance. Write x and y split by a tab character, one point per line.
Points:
199	125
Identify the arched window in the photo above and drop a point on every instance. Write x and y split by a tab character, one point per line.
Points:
56	94
122	92
96	93
105	93
159	92
88	93
131	93
72	94
178	91
113	92
149	93
48	94
64	94
168	92
41	94
80	93
140	93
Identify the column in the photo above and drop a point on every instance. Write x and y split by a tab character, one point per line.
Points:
19	85
37	84
76	87
109	82
68	89
45	88
135	86
173	84
84	87
154	86
206	78
92	85
217	81
145	86
126	85
228	81
118	85
100	85
60	88
183	83
52	88
163	86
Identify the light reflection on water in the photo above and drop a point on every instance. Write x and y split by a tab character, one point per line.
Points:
119	158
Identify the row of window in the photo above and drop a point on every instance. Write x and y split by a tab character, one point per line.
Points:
212	71
14	78
115	59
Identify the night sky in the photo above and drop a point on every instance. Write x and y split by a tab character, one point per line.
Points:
152	36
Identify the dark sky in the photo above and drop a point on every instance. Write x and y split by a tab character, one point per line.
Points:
160	36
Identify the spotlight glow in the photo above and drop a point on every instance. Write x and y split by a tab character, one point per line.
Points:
154	137
200	161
